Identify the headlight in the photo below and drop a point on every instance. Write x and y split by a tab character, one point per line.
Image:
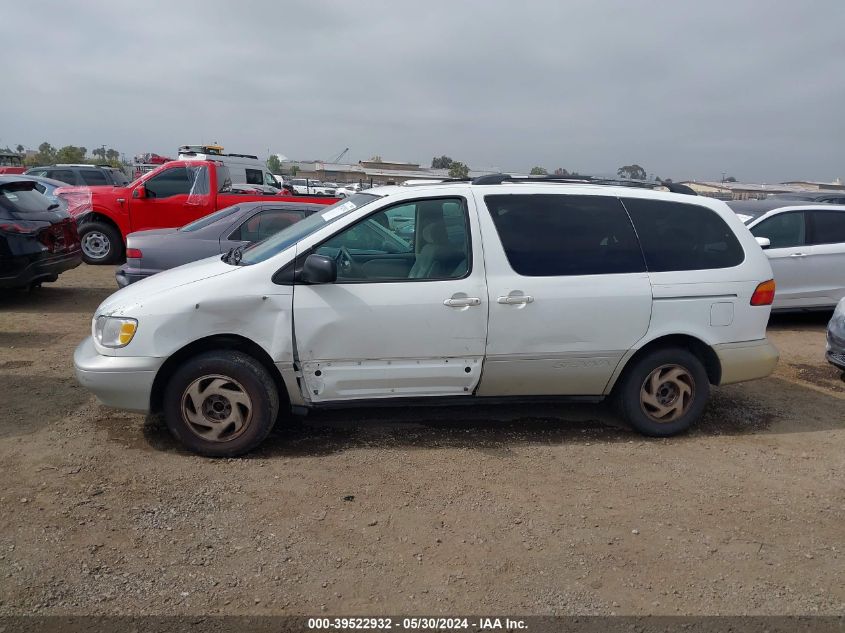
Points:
114	331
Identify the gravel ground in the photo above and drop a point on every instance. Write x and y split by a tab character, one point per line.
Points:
524	510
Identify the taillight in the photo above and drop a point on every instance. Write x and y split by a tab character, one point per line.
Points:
764	294
134	253
26	228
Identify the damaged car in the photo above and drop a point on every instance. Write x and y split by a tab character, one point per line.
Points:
507	290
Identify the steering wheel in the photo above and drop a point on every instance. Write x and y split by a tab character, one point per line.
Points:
345	264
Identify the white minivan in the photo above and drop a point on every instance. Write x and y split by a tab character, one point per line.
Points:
497	290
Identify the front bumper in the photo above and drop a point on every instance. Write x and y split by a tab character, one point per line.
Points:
835	352
45	268
748	360
122	382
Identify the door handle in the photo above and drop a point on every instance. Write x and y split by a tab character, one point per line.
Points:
798	255
463	302
515	300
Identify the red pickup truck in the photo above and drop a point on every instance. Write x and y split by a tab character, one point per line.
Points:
172	195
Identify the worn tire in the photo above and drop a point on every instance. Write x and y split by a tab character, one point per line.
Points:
100	235
647	388
206	387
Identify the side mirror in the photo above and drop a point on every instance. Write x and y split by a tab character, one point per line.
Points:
318	269
140	192
764	242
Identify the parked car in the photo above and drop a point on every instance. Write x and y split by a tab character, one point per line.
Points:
82	175
173	194
509	291
806	247
150	252
836	337
308	187
349	189
38	238
265	190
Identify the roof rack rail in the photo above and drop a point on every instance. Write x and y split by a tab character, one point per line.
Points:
498	179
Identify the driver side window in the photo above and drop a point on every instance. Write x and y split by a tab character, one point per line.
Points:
424	240
178	181
784	230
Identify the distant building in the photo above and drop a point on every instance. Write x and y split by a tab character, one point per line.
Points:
735	190
367	171
810	185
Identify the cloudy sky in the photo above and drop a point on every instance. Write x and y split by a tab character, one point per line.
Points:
752	88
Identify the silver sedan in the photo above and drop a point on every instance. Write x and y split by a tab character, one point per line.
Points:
150	252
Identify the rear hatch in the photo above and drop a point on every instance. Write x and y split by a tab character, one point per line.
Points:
24	212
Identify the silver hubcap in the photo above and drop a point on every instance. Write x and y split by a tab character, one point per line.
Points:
667	393
95	245
216	408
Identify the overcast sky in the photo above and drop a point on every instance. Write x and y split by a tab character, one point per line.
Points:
753	88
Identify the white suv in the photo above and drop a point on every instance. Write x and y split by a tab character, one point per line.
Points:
497	290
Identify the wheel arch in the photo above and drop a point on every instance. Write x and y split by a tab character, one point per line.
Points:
701	350
232	342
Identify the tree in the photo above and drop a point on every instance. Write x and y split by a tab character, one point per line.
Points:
443	162
539	171
71	154
560	171
274	164
730	179
458	170
632	172
294	170
99	152
21	149
112	156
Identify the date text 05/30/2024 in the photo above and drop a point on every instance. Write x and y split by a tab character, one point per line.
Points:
417	623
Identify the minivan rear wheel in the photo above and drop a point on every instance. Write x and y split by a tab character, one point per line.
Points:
664	392
221	404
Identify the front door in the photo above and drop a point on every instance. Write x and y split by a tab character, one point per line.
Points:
568	289
789	255
407	315
173	197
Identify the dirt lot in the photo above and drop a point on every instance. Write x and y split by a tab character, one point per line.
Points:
512	510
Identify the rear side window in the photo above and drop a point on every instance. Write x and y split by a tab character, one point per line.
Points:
783	230
65	175
266	223
558	235
679	236
828	227
93	177
254	177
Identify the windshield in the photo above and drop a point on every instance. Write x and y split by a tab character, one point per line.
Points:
204	221
261	251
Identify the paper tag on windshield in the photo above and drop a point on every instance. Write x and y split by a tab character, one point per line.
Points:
337	211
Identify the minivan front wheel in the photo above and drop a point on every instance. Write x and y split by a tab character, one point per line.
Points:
221	403
664	392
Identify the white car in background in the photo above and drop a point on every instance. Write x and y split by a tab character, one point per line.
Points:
806	248
348	190
308	187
